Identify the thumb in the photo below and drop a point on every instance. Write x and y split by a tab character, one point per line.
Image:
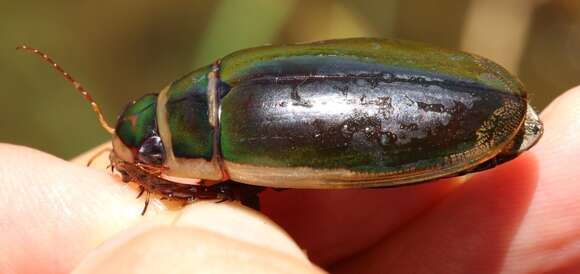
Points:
206	238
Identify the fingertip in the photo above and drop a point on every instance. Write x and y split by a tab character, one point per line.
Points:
547	237
565	105
561	125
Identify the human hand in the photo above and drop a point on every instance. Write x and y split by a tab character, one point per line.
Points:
520	217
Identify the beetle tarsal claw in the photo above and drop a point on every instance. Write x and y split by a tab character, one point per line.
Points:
141	190
148	196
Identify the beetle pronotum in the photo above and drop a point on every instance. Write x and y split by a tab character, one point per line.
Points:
333	114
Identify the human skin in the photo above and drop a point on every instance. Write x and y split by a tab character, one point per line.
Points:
520	217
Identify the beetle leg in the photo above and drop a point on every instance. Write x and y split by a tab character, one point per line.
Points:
251	201
246	194
222	200
96	155
141	190
146	203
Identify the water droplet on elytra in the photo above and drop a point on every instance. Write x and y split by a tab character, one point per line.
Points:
388	138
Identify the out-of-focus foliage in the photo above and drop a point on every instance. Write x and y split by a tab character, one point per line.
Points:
122	49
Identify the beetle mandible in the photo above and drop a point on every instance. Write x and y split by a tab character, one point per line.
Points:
348	113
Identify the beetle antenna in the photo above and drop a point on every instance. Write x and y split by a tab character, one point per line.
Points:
76	84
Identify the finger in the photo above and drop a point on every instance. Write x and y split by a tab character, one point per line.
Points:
514	218
468	232
245	244
549	236
47	202
334	224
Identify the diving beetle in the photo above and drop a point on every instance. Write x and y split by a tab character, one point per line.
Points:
350	113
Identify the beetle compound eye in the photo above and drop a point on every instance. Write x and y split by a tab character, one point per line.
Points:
152	151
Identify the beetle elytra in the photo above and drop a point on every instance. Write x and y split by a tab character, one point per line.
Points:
345	113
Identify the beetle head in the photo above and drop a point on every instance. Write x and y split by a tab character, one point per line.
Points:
137	146
136	139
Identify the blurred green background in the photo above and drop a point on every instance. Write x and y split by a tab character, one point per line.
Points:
122	49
